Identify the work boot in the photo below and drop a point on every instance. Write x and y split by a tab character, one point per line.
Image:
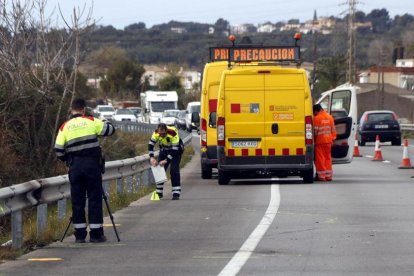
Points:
98	239
176	197
80	235
97	235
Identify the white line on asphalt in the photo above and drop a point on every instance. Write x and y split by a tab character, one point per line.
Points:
240	258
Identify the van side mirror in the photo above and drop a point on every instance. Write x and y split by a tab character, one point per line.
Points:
212	120
195	118
146	110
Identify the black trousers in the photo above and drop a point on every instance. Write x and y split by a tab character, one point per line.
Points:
174	170
86	181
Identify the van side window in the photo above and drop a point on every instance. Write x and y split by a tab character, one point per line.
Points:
212	120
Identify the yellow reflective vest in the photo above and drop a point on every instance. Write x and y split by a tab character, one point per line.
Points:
170	142
79	137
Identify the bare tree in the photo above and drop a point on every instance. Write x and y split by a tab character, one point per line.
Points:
38	75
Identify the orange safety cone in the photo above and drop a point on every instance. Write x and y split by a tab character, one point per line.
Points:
405	163
378	154
356	148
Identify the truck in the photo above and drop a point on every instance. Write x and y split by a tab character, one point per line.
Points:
155	102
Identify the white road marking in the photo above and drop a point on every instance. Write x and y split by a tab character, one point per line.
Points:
241	257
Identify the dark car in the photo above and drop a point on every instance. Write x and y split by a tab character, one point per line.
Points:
379	122
180	120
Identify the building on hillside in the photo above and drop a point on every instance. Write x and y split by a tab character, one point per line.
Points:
178	30
155	73
239	28
266	28
402	77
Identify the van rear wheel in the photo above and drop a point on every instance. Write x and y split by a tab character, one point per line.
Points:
223	177
308	176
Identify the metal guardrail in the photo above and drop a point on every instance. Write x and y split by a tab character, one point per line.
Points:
407	126
129	174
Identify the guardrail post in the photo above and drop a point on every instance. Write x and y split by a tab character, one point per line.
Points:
130	189
105	186
41	218
137	181
119	187
17	229
62	206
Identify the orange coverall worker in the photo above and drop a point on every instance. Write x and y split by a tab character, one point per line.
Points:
325	134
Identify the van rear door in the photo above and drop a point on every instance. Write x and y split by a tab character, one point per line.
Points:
284	114
244	121
341	102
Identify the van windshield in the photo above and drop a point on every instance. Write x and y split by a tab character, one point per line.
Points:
161	106
106	109
195	108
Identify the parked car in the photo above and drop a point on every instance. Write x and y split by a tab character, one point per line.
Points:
379	122
124	114
168	116
105	112
138	112
180	120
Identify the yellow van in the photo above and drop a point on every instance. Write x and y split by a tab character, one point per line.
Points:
208	105
264	123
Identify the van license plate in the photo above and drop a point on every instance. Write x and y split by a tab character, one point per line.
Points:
381	126
244	144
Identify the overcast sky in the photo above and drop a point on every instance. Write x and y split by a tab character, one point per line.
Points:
121	13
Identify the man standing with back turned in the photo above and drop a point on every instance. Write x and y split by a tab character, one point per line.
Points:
77	144
325	134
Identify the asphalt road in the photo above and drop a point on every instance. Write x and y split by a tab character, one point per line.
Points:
361	223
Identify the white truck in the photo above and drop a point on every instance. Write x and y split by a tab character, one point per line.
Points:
155	102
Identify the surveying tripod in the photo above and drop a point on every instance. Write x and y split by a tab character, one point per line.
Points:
110	216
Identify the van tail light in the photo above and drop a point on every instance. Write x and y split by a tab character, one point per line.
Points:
220	132
395	116
308	130
203	132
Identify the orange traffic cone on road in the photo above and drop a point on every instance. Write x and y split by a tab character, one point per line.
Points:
378	154
356	148
405	163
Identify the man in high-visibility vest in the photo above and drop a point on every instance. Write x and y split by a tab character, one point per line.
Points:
324	134
77	144
171	148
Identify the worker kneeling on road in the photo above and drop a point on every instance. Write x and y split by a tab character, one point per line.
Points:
325	134
77	144
171	148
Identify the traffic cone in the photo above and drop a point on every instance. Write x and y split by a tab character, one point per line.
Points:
405	163
378	154
356	148
155	196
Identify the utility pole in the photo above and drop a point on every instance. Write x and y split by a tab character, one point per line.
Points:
315	49
351	41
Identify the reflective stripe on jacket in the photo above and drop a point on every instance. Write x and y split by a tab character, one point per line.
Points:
170	142
79	137
324	128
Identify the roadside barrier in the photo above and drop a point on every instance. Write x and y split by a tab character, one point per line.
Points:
128	174
356	148
378	154
405	163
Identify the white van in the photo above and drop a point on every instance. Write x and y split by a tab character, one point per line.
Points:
191	108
